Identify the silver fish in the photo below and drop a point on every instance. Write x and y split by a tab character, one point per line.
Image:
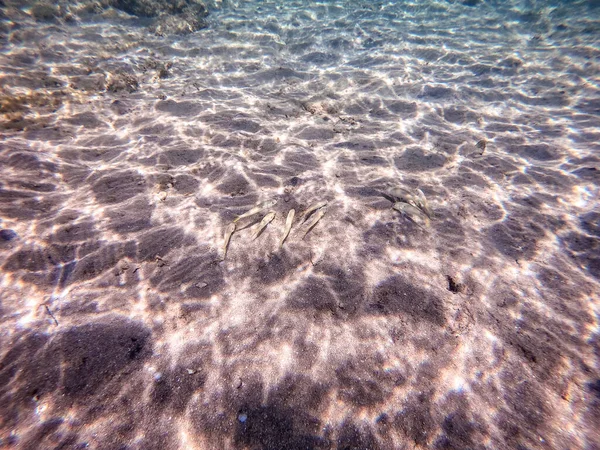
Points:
403	195
318	216
416	199
312	209
263	223
423	204
228	232
288	227
258	208
412	212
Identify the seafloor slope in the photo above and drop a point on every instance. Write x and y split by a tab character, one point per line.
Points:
127	150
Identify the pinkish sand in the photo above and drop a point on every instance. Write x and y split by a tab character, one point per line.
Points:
121	326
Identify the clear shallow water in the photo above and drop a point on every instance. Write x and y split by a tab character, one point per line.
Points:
125	155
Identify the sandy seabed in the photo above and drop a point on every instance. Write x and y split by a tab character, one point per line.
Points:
125	155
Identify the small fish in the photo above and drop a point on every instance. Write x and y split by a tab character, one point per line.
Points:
481	145
312	209
416	199
263	223
423	204
412	212
258	208
403	195
318	216
228	232
288	227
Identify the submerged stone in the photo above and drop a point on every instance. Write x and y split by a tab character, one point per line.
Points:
190	20
7	235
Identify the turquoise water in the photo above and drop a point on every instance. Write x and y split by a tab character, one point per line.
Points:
441	292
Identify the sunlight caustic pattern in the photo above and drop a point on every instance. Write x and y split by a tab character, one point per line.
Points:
125	155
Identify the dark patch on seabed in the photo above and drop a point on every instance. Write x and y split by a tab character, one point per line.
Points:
445	297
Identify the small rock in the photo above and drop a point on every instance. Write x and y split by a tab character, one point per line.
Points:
160	262
7	235
163	73
190	20
454	286
122	81
45	12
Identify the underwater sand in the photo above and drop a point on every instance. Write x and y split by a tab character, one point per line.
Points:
121	326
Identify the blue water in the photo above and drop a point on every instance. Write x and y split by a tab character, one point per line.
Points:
437	285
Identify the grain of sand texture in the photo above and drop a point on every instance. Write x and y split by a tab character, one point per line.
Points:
126	151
